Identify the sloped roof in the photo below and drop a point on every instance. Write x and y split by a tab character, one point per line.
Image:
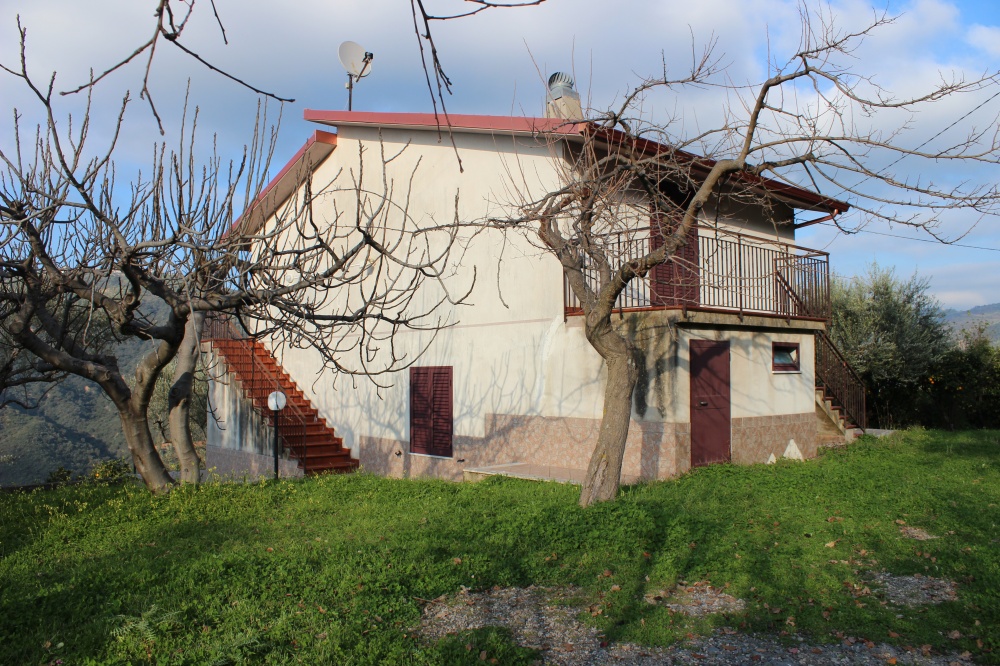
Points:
312	153
321	144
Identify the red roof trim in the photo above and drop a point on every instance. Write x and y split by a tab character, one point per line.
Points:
517	125
265	204
812	200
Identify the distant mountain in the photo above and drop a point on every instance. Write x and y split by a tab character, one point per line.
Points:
75	425
988	315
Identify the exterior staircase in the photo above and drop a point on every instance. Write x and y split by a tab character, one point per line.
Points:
840	395
305	435
840	391
832	428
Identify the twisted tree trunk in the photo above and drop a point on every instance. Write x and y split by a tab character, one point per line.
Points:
147	461
605	469
179	400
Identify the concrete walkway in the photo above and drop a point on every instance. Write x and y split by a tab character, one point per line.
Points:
534	472
527	471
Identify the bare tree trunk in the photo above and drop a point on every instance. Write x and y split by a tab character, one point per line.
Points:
179	400
134	410
147	461
605	469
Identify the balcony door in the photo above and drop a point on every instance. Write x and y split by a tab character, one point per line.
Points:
711	426
676	282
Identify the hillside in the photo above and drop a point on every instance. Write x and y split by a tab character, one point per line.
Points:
988	315
74	426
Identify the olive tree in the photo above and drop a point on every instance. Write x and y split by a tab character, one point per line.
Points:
893	333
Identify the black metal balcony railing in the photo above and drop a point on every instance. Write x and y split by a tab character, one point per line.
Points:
729	271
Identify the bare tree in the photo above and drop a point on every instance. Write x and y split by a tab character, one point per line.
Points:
69	243
812	122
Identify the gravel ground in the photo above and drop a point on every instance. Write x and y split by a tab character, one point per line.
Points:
541	618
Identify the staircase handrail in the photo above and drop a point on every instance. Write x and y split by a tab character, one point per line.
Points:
855	409
803	308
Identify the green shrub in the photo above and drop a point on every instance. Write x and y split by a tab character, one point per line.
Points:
965	388
111	471
60	476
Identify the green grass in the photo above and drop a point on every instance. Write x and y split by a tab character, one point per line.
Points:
332	569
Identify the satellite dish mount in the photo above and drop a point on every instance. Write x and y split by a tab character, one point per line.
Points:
358	64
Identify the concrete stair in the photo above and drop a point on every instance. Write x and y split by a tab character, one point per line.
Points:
833	428
307	437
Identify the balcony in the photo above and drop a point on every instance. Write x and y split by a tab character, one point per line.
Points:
723	271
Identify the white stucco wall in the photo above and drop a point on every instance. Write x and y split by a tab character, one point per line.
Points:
511	349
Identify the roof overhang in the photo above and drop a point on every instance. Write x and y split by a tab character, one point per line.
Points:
309	156
453	122
794	196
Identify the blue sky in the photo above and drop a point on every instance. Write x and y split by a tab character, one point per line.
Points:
498	62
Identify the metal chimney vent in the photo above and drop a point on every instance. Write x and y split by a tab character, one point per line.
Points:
562	100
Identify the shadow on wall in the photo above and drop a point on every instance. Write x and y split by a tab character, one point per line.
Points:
513	410
502	395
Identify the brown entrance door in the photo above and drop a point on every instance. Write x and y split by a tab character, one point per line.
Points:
710	422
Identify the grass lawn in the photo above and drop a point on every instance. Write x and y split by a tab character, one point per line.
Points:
332	569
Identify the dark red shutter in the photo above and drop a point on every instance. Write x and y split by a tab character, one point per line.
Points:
675	282
421	424
442	417
431	413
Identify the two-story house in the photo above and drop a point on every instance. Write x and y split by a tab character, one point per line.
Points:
736	363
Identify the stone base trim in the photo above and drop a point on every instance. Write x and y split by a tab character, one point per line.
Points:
756	438
655	450
230	465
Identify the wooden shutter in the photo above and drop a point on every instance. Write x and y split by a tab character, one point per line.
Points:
675	282
431	413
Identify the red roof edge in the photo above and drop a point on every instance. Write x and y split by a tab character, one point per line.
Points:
266	202
796	196
515	124
808	199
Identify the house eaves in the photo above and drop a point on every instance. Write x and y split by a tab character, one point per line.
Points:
455	122
794	196
282	186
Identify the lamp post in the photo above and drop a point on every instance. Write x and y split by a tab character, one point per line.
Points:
276	402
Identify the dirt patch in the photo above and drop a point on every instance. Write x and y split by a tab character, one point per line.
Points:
546	619
915	590
697	599
538	618
916	533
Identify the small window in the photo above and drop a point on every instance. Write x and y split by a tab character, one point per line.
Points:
431	410
785	357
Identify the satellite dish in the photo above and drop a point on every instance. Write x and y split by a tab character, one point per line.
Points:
355	59
358	64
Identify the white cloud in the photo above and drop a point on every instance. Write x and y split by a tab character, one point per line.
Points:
986	38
